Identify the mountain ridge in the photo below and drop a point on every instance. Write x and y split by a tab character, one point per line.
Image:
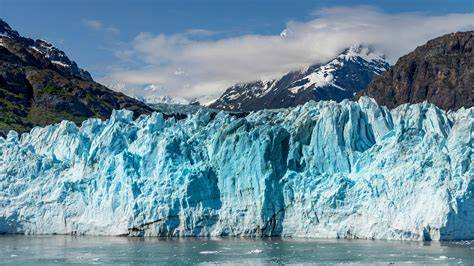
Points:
337	79
440	72
40	85
56	56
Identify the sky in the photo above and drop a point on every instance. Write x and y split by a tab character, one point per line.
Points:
193	48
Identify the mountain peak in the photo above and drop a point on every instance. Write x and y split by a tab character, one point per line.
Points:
363	51
6	30
40	85
46	49
338	79
359	48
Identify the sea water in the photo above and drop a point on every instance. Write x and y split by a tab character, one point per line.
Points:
46	250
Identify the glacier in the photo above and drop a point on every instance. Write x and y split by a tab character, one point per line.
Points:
325	169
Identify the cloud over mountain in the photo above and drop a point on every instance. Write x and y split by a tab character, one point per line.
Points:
189	66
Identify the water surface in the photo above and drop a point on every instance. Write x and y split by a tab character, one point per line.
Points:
35	250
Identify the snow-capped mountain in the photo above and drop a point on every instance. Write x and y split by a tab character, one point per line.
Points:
167	99
204	100
338	79
57	57
40	85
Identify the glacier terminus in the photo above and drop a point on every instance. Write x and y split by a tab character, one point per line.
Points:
325	170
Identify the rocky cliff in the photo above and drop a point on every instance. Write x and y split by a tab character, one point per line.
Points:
440	72
40	85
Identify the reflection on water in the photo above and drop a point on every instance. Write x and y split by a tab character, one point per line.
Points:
62	250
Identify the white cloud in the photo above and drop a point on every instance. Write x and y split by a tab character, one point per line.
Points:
93	24
209	67
99	25
112	29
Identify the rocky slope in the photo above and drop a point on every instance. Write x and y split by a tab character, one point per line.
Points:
40	85
339	79
326	169
440	72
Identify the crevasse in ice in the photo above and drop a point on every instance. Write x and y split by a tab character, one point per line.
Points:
326	169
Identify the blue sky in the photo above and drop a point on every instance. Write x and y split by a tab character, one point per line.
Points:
102	35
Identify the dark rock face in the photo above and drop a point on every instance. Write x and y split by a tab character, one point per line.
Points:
440	72
55	56
337	80
39	85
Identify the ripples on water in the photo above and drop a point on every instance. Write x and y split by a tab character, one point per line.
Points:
62	250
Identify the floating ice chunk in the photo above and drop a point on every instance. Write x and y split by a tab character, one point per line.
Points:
209	252
255	251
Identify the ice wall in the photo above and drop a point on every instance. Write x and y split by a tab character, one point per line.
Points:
326	169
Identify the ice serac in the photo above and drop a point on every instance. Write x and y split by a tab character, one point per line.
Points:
326	169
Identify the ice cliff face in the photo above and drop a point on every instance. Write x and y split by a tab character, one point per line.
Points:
326	169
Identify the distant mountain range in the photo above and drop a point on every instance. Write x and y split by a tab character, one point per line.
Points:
40	85
158	99
440	72
154	99
339	79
